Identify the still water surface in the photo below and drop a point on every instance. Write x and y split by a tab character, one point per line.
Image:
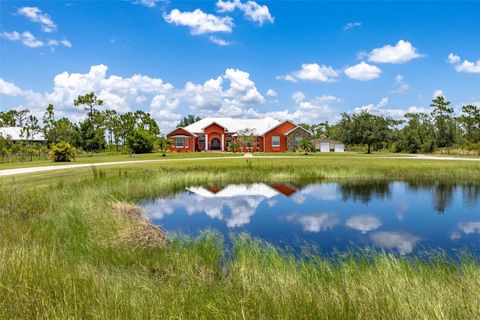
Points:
406	218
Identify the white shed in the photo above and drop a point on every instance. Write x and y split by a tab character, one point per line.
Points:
339	147
328	145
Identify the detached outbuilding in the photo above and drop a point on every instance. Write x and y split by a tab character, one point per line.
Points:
328	145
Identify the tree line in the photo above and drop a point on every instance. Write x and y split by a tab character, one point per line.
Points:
440	129
107	130
138	132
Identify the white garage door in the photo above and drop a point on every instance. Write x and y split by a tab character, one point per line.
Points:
339	148
324	147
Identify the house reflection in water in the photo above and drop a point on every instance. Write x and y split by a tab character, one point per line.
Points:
233	204
239	190
392	216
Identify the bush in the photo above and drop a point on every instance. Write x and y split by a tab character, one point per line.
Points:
306	146
62	152
233	147
142	141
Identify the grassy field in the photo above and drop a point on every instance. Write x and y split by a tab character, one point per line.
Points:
100	158
67	251
115	158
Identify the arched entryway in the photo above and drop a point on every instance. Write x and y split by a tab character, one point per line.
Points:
215	144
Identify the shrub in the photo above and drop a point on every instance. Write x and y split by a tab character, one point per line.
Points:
306	146
62	152
233	147
142	141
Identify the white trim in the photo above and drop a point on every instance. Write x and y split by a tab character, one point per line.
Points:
286	133
279	142
193	135
278	125
223	142
218	124
206	142
185	143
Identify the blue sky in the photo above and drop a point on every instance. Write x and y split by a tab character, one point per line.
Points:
303	60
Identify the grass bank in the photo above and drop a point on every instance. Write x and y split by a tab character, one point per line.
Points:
61	256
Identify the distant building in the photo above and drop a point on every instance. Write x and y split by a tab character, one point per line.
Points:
19	134
328	145
214	134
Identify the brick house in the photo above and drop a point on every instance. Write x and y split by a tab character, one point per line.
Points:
253	135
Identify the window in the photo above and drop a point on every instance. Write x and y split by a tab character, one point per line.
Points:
229	138
298	140
179	143
275	141
201	139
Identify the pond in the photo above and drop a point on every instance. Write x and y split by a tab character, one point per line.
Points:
401	217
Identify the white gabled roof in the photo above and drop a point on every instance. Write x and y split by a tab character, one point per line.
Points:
260	126
15	133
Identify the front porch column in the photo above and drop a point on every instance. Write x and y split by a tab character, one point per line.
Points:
206	142
223	142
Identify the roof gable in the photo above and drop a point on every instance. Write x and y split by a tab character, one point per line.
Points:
279	124
180	131
298	127
260	126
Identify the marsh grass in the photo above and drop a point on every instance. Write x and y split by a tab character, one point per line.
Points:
60	259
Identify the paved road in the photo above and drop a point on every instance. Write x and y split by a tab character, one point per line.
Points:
10	172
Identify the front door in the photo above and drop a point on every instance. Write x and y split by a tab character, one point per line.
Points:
215	144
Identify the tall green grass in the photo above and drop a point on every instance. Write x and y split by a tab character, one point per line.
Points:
59	257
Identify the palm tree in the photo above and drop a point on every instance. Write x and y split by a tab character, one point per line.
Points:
306	146
164	144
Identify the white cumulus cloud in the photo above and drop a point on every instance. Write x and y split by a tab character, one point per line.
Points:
147	3
400	86
36	15
231	94
271	93
352	25
312	72
395	113
26	38
29	40
251	9
465	65
320	108
363	71
200	22
219	41
453	58
402	52
438	93
9	89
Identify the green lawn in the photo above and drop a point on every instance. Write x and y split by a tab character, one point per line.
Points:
156	156
65	252
114	158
